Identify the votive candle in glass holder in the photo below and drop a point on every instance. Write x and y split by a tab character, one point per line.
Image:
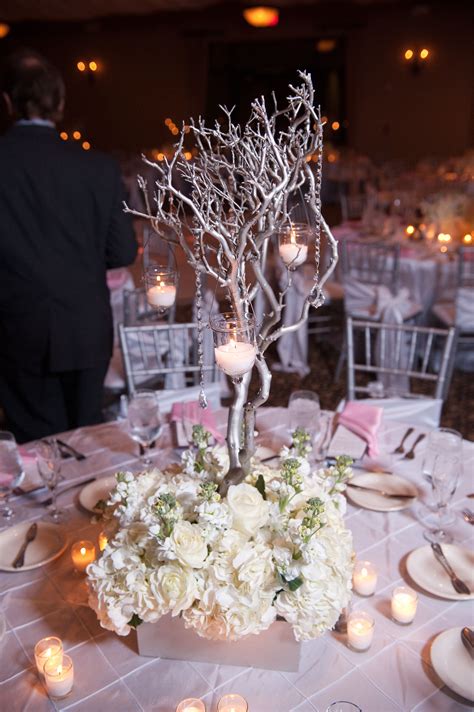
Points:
234	344
102	540
364	578
50	648
232	703
59	677
293	245
192	704
404	603
360	630
160	284
82	554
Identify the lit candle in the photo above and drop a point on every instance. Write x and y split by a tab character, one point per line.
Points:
410	229
192	704
360	630
404	602
364	578
232	703
293	253
82	554
59	677
467	239
50	648
102	539
236	357
161	295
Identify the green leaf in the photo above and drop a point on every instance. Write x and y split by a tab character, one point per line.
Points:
295	583
135	621
260	485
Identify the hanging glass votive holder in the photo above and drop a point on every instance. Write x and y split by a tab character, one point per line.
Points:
234	344
160	284
293	245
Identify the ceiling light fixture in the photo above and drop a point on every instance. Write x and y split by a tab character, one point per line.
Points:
262	16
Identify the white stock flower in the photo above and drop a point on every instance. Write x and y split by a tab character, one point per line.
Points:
189	545
249	509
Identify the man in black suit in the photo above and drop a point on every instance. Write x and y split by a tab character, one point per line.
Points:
61	227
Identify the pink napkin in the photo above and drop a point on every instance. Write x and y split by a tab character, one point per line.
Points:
363	420
195	415
116	278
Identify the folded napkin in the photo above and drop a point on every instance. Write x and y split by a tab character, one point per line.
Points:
116	278
192	413
363	420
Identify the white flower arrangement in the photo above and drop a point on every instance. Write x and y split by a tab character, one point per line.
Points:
275	546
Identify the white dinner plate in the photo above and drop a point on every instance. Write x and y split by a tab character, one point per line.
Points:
95	491
49	543
453	664
388	483
428	573
265	453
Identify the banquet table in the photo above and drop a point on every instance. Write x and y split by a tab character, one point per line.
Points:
395	674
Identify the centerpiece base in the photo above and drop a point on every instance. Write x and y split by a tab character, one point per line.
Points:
273	649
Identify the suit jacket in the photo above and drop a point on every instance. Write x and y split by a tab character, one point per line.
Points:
61	226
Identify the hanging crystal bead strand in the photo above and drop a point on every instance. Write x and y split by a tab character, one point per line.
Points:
200	335
318	176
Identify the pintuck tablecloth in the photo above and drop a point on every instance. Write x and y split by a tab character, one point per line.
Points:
394	675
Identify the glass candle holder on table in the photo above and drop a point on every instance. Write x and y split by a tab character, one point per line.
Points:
232	703
234	344
360	631
59	677
364	578
161	285
50	648
191	704
83	553
403	604
293	244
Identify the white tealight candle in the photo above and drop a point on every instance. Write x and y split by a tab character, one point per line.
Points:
404	603
50	648
293	254
192	704
82	554
236	357
364	578
232	703
59	677
360	630
162	295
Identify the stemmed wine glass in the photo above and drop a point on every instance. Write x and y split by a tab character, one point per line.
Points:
444	478
48	462
11	472
144	421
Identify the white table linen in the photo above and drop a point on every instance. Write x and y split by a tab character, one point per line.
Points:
394	675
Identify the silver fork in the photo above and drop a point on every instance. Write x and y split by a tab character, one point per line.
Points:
410	455
468	515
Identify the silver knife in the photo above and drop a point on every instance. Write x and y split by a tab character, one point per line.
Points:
391	495
30	536
458	584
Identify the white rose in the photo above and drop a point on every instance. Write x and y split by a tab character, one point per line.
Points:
189	546
175	587
249	509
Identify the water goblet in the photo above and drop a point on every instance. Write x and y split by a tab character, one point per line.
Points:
11	473
442	441
444	477
144	421
48	462
304	412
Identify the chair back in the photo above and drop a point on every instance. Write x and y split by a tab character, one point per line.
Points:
466	267
370	262
162	356
419	355
137	311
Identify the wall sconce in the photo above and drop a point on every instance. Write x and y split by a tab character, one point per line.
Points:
4	30
262	16
88	67
416	58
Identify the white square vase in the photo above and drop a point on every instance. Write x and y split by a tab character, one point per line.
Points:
274	649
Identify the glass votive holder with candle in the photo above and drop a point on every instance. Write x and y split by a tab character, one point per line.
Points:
293	244
83	553
102	540
232	703
192	704
364	578
50	648
404	603
59	677
234	343
360	630
161	284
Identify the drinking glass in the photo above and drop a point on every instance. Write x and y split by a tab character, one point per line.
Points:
444	478
11	472
304	412
48	462
442	441
144	421
343	706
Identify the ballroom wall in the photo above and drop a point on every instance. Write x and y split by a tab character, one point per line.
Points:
152	68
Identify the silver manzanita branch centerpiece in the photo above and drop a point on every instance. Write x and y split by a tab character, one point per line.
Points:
241	188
